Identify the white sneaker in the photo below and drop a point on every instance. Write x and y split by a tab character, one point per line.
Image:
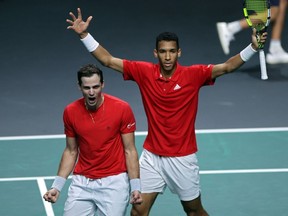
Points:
225	36
279	57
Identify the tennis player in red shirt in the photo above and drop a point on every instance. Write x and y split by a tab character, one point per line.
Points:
100	147
170	97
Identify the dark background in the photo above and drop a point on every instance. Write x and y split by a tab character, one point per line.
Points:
39	59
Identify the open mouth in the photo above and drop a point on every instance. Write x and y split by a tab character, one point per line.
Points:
92	100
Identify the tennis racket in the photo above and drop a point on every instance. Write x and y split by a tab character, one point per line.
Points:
257	15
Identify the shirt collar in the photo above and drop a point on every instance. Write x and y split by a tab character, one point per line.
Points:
174	77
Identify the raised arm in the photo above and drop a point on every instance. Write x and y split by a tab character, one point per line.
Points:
100	53
238	60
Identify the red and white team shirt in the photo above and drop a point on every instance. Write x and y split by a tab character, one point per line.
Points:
170	105
98	135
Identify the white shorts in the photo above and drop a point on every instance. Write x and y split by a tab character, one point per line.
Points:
180	174
106	196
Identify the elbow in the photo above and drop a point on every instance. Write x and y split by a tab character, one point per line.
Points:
73	152
105	63
230	68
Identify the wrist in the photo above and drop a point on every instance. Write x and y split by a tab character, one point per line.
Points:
58	183
247	53
83	34
255	48
89	42
135	184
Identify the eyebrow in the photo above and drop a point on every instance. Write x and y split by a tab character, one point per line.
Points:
171	49
94	86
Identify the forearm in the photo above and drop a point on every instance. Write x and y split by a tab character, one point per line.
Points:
238	60
104	57
132	164
67	163
66	166
227	67
100	53
234	62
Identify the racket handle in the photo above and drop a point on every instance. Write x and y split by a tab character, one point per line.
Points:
264	75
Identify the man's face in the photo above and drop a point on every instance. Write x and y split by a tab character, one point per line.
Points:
91	89
167	55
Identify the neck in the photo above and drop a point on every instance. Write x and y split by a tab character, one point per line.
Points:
167	74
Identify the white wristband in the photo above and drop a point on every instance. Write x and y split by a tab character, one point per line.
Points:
135	184
247	53
58	183
90	43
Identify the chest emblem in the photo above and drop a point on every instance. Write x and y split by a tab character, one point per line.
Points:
177	86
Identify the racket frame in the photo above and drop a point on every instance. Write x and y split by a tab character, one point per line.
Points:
264	75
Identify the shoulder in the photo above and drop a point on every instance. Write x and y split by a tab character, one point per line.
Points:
199	67
197	70
138	70
113	100
75	104
199	74
141	64
74	110
117	106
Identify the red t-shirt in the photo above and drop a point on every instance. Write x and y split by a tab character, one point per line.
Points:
170	105
99	136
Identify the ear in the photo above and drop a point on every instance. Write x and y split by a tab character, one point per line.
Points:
155	53
103	84
179	52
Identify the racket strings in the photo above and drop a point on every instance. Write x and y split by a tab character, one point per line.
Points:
257	14
257	10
